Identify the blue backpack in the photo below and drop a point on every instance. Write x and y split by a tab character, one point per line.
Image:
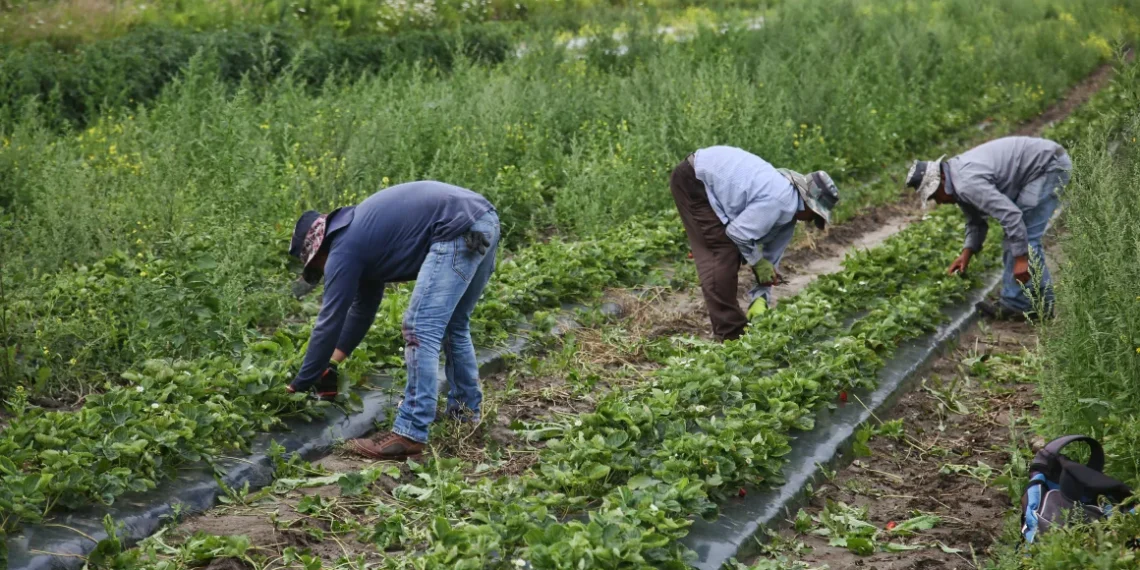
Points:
1062	490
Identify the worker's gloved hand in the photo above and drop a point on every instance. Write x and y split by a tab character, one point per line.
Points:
766	275
476	242
757	308
1021	269
300	288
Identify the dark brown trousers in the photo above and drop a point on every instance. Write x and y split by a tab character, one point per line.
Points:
717	257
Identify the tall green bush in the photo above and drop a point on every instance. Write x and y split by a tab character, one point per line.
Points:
71	89
1092	384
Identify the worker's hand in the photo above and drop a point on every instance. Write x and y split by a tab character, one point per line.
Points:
476	242
1021	269
961	264
757	308
300	288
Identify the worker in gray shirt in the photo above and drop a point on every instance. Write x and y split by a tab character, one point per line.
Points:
1015	180
737	208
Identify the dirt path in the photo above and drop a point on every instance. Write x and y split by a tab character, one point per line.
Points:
958	432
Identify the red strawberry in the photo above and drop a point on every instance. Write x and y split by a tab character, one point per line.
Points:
843	396
741	492
891	525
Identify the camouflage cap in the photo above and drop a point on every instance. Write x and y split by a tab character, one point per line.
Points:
817	190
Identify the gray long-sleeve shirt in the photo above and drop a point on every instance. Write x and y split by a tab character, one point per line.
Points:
756	203
990	180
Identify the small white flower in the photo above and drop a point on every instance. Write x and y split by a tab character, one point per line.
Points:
700	408
154	406
653	507
138	389
577	423
748	460
519	562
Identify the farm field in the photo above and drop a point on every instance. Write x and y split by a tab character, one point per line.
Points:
147	198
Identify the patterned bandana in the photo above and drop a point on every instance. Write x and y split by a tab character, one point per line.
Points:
312	245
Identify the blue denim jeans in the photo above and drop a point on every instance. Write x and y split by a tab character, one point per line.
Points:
1020	297
449	284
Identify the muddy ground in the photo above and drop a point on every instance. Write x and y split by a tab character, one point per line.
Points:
961	424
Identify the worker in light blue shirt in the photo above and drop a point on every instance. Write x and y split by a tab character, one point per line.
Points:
736	207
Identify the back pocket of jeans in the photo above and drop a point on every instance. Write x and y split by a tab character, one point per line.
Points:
461	260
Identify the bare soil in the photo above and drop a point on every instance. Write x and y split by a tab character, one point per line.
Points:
902	479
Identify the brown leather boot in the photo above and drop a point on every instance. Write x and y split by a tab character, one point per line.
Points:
386	445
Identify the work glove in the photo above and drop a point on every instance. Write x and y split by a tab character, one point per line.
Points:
766	275
325	387
476	242
757	308
300	288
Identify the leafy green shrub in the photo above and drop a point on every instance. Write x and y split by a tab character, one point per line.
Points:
1104	545
1092	351
72	88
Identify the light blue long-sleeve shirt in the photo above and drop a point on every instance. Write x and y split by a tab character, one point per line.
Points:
756	203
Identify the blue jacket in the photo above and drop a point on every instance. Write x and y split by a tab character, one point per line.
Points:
383	240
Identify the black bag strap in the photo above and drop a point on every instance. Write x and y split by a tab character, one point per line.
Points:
1046	460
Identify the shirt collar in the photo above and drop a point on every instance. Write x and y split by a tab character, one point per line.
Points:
948	182
340	219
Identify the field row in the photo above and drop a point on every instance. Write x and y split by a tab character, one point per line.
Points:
617	487
145	278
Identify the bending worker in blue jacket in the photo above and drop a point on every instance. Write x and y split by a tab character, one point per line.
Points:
736	207
1015	180
443	237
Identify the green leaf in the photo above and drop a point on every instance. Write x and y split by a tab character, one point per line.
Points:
641	481
860	545
598	471
898	547
916	524
352	484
